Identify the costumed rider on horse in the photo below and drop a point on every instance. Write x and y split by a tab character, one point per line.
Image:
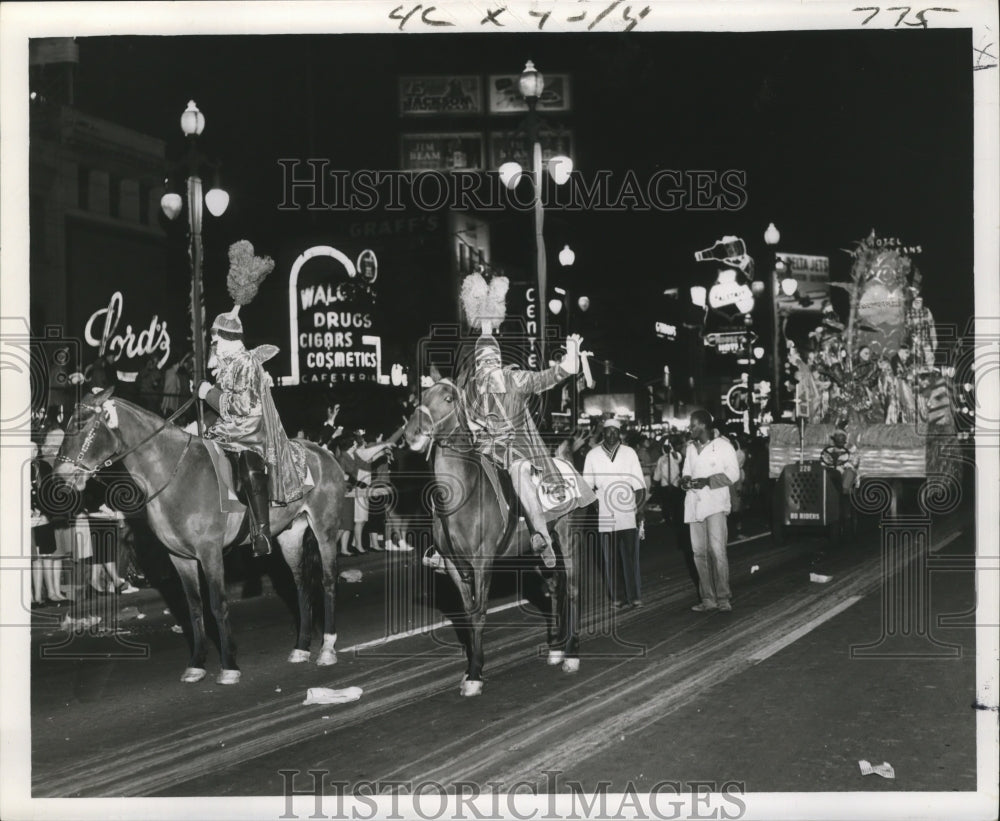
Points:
267	466
501	422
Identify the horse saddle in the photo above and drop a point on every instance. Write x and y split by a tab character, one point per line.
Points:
225	461
575	494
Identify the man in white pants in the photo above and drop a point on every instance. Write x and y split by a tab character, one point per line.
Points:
710	467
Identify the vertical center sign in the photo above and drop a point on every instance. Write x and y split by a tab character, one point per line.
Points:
330	321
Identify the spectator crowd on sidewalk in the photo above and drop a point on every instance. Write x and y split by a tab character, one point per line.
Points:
695	480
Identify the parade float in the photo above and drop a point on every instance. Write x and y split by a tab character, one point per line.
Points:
873	396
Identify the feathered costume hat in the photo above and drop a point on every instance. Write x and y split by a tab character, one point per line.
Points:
246	272
485	307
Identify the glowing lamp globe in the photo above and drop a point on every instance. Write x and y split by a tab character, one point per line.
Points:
583	303
555	305
217	201
567	256
531	82
171	205
560	168
192	120
772	236
510	174
789	285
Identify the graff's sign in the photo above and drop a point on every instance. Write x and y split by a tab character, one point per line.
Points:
152	339
331	322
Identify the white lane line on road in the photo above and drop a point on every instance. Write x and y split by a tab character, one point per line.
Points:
418	631
799	632
945	542
750	538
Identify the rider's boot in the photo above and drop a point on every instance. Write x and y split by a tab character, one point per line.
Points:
255	477
534	515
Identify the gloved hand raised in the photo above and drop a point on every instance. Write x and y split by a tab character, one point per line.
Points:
571	361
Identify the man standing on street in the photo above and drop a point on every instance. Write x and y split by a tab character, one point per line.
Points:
667	481
710	467
612	469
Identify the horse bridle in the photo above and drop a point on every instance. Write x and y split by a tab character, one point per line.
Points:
435	423
117	456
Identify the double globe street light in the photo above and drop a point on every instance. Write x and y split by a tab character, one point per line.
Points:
531	84
780	280
217	201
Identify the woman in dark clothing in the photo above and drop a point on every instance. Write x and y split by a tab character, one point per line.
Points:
105	531
46	565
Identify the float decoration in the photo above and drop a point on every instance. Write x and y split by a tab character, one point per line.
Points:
874	375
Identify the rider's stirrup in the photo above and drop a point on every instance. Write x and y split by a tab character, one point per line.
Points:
261	545
543	550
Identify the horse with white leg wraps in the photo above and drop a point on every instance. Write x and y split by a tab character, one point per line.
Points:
182	503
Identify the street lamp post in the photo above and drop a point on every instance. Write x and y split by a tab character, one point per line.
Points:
772	237
217	200
531	85
564	298
748	354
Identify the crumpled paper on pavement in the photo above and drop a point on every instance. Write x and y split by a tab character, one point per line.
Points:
325	695
351	575
71	625
884	769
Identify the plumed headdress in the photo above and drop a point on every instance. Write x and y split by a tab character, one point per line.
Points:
246	272
484	303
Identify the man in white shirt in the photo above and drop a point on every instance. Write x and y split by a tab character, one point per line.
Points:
613	471
667	481
710	467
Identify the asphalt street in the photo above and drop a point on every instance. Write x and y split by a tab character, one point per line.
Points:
787	693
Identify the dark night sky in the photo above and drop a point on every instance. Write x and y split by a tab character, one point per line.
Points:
838	132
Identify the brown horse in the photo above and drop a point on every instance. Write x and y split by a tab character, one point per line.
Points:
182	502
470	532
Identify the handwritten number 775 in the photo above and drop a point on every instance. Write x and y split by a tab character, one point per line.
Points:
921	16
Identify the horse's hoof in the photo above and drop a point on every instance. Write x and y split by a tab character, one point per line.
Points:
327	658
228	677
193	674
571	666
471	688
556	657
298	656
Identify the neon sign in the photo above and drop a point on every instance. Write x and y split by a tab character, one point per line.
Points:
152	340
531	326
330	330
